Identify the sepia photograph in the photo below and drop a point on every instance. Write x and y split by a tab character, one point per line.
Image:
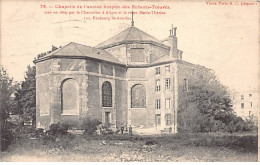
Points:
129	81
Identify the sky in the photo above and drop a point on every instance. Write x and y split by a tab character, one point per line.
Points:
222	38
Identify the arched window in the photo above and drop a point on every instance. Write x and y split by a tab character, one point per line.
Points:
106	94
70	97
138	96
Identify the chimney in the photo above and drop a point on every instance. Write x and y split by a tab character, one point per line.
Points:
173	43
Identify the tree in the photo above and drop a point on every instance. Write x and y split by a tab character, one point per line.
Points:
7	88
26	97
6	102
207	104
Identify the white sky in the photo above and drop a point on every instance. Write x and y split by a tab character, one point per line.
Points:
223	38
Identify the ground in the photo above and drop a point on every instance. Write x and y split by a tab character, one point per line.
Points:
175	147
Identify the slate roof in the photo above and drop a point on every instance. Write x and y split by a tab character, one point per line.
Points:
130	34
78	50
162	59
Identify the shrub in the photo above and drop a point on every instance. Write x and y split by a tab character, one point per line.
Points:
151	142
58	129
90	126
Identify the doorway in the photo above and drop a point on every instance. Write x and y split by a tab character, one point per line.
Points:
107	119
157	120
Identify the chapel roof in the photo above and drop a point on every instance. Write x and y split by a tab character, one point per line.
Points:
162	59
129	35
78	50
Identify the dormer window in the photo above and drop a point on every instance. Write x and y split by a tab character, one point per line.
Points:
137	55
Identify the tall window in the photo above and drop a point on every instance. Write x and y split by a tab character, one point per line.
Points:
167	84
167	103
242	105
157	70
158	104
185	85
106	94
157	85
158	119
242	97
251	104
168	119
167	69
138	96
69	97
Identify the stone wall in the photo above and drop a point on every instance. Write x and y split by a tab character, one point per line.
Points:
133	73
88	75
71	64
146	51
106	69
42	101
120	71
43	67
94	108
151	52
121	101
92	66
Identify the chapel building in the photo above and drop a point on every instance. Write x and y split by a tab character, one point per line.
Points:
131	78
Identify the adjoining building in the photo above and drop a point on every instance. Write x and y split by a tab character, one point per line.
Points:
131	78
246	104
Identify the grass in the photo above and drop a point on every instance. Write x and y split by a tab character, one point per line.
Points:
178	147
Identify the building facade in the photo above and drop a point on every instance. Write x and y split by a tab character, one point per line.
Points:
246	104
131	78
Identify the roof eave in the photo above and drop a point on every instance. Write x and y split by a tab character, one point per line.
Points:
132	41
76	57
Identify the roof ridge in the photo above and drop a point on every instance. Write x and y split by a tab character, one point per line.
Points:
56	51
78	49
149	35
128	32
112	37
83	45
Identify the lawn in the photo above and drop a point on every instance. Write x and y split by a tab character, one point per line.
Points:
174	147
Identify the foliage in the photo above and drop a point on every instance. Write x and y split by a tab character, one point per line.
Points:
25	97
7	88
207	107
58	129
90	126
250	124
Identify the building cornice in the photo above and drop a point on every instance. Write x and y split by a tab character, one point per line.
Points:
76	57
138	42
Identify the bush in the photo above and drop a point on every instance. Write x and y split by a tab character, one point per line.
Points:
58	129
151	142
90	126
